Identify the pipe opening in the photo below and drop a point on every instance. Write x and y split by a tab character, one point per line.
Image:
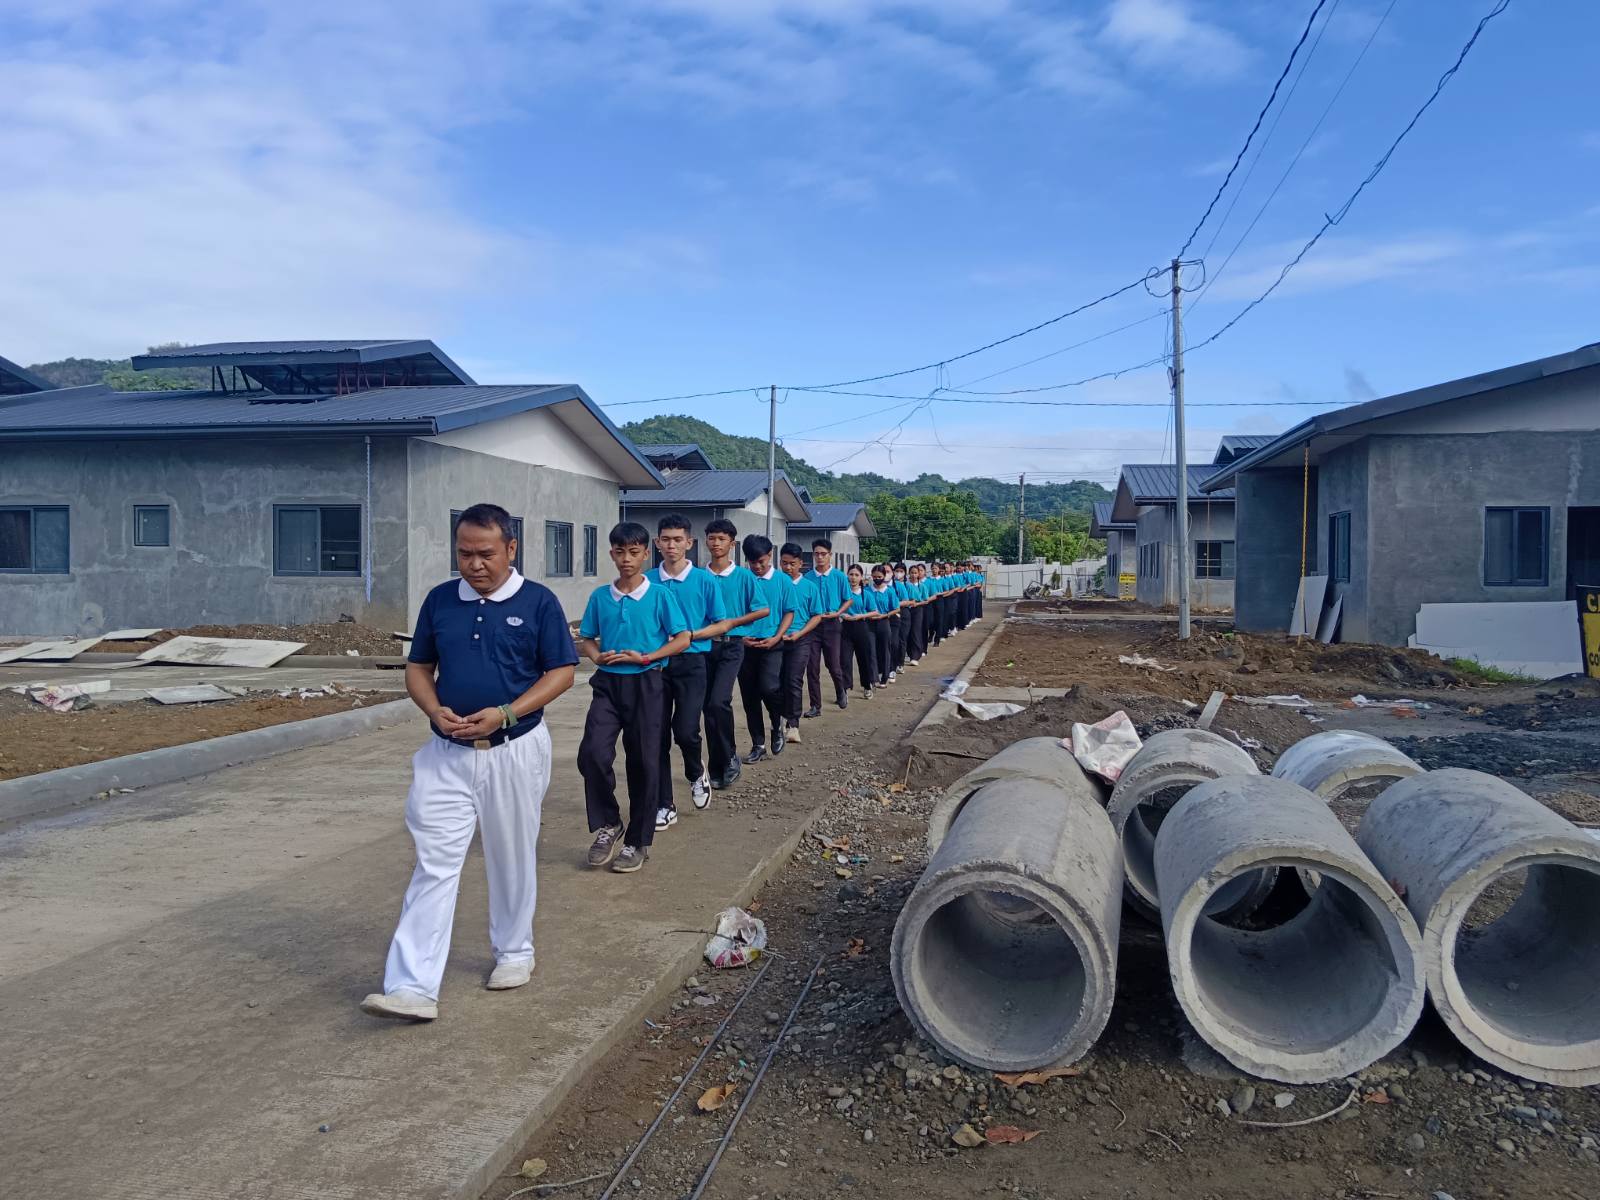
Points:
1529	962
1018	978
1139	849
1307	985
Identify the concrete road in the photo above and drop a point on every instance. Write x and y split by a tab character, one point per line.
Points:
181	967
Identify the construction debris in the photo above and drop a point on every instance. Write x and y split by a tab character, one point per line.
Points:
198	693
62	650
1106	747
219	652
131	635
67	697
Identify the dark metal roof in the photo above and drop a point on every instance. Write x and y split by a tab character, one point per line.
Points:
97	411
300	367
1233	445
17	381
835	516
1157	483
686	456
698	489
1346	421
1102	522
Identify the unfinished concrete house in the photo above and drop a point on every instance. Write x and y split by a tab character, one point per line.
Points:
1147	499
1482	490
843	523
1120	540
704	495
314	479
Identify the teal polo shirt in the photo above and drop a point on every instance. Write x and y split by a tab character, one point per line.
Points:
698	595
860	606
807	601
644	619
885	599
834	587
777	597
740	597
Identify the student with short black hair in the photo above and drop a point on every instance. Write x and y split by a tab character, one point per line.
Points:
900	622
629	629
741	600
761	674
799	644
835	589
887	605
700	599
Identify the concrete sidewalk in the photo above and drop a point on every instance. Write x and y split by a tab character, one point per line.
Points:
181	967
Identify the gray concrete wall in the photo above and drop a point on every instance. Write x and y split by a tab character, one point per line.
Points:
1208	521
445	478
1427	497
1342	486
1155	525
1267	523
218	568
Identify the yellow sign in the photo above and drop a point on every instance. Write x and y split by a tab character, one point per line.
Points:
1589	625
1127	584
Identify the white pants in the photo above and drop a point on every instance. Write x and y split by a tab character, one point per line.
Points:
454	788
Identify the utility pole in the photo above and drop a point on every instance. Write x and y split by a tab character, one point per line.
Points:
772	456
1182	451
1022	511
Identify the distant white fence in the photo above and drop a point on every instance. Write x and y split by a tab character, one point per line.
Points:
1007	582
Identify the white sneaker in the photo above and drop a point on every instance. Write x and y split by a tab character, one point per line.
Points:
891	676
700	790
509	975
666	818
402	1005
792	734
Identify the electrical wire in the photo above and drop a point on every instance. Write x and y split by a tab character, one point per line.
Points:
1260	116
687	396
1339	214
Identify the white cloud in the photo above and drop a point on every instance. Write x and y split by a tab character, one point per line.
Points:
1167	34
1339	264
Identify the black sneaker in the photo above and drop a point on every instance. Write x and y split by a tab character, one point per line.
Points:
778	741
843	701
757	753
814	711
606	845
730	776
630	860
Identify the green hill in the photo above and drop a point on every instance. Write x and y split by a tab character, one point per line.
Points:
119	373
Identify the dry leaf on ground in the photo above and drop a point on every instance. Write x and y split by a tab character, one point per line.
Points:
714	1098
829	843
897	858
532	1168
1010	1135
1042	1075
855	948
1377	1098
897	788
967	1137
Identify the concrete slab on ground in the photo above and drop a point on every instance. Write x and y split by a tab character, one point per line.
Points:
132	684
181	969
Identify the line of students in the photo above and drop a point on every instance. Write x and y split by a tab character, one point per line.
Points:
671	643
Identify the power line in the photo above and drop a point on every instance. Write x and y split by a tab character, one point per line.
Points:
1339	214
971	445
688	396
1260	116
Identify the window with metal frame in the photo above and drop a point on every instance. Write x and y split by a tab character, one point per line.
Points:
1516	547
152	525
591	550
557	548
316	539
1339	547
1213	560
34	539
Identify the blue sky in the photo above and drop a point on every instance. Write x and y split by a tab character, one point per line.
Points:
691	195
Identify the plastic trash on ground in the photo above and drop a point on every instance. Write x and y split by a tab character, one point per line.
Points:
739	940
1140	660
1105	747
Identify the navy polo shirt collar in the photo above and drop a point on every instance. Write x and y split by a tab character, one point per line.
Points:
636	594
467	593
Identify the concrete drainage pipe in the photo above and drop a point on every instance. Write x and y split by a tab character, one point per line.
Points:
1166	767
1521	986
1041	758
999	993
1326	993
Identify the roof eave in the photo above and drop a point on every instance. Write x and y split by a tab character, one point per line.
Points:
407	428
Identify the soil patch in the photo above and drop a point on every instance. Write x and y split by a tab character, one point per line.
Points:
1062	653
943	753
34	739
337	637
1512	756
855	1104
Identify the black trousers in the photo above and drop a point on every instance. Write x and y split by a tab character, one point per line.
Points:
829	634
797	658
934	626
722	669
685	700
977	604
897	640
761	687
863	647
914	646
633	705
881	643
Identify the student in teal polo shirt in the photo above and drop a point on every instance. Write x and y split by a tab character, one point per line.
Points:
835	588
888	604
858	625
741	600
628	629
800	643
761	675
700	598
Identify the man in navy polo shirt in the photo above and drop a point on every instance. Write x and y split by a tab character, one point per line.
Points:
489	652
700	599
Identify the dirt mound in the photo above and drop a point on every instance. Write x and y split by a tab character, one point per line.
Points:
337	637
944	753
1282	655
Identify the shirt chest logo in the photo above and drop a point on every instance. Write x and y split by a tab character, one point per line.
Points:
513	621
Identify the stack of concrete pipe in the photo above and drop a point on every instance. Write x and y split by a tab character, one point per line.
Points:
1005	955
